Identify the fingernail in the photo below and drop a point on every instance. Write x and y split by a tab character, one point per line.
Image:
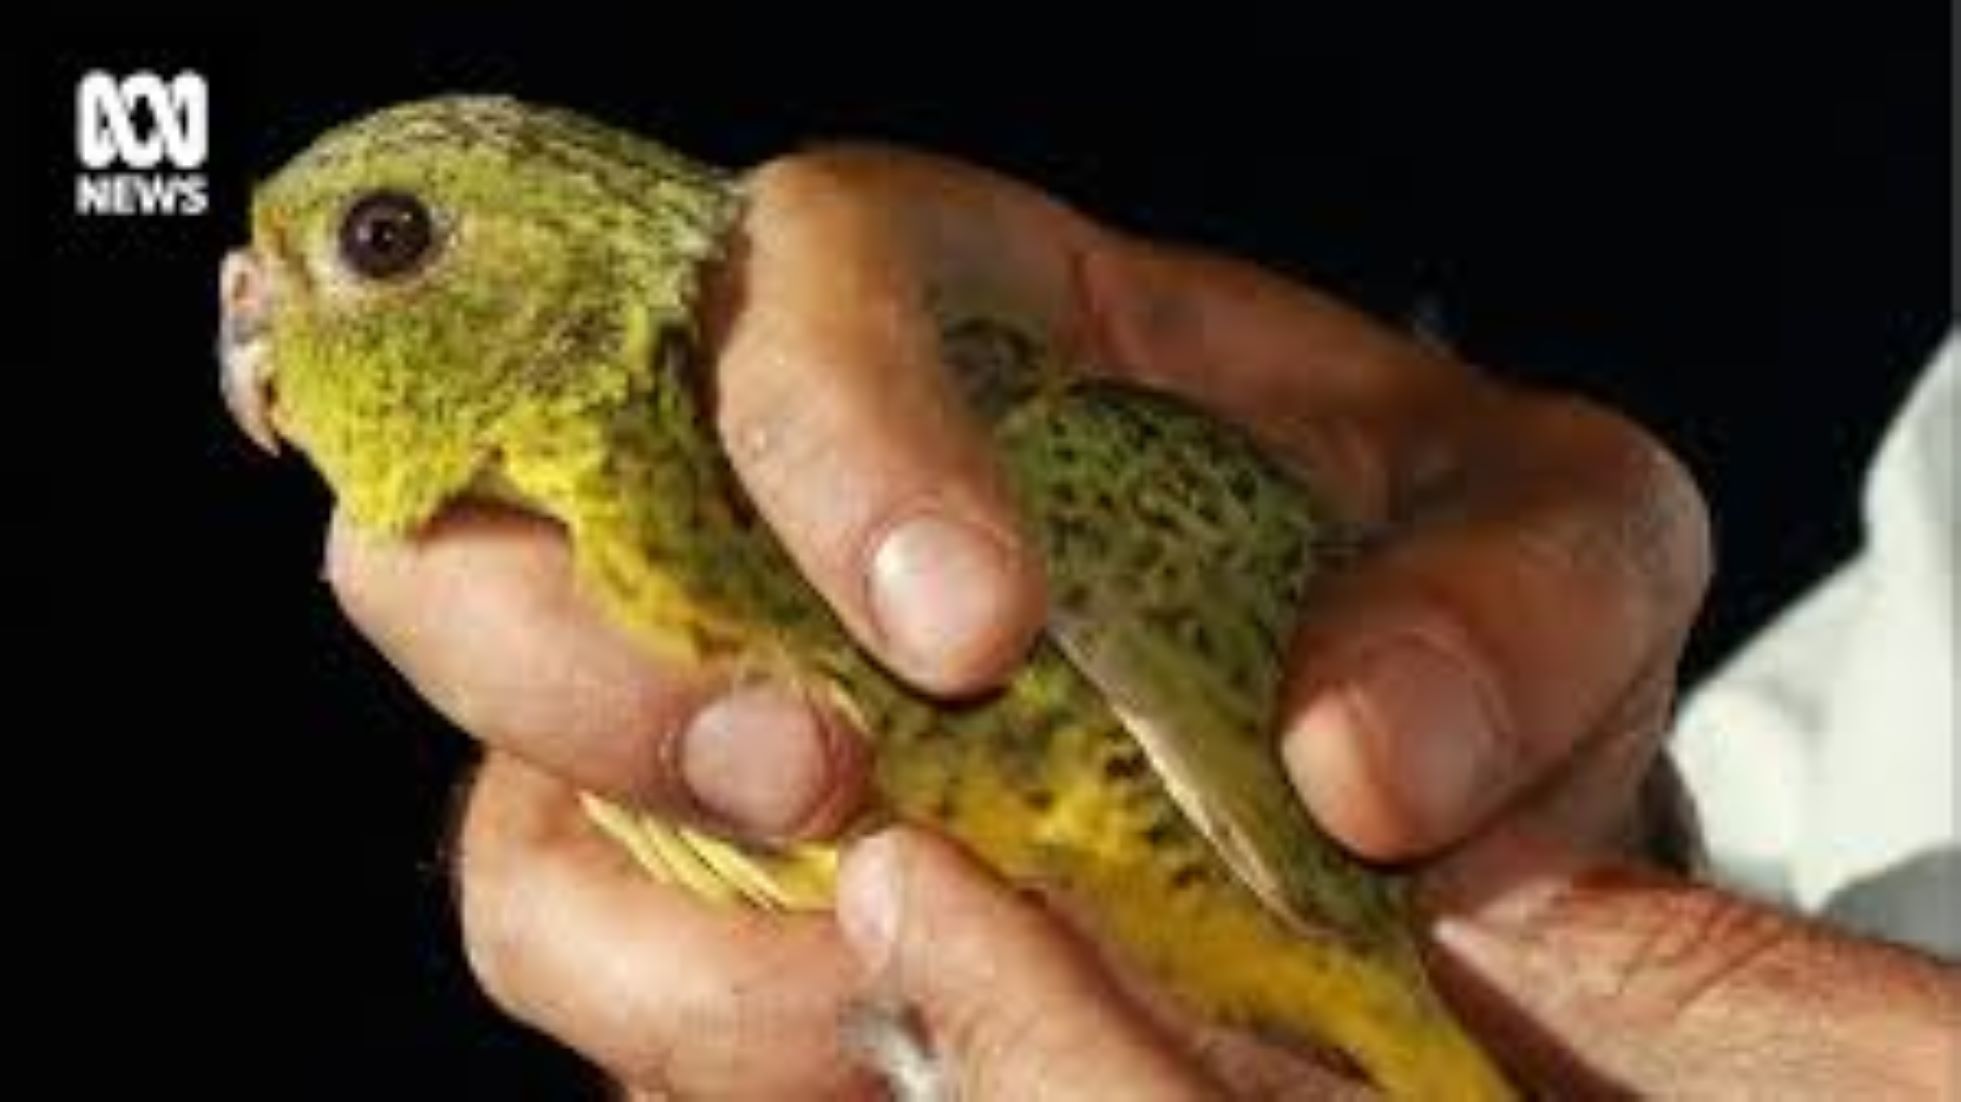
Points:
937	589
868	898
758	758
1406	729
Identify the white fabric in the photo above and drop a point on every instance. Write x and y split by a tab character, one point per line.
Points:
1823	755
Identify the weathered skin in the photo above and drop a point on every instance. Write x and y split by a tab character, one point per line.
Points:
546	352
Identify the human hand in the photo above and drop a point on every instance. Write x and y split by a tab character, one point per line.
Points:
1497	668
676	997
1519	533
1621	983
1691	993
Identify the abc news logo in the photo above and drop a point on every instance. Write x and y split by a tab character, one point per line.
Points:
128	130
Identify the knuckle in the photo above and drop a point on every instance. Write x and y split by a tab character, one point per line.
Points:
795	178
986	1047
1703	950
1669	518
1659	528
499	942
842	177
821	169
490	941
349	570
500	825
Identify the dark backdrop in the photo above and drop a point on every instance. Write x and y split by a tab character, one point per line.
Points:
231	813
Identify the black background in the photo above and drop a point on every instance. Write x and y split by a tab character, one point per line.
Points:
231	813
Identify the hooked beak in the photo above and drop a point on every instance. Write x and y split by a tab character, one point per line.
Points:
245	314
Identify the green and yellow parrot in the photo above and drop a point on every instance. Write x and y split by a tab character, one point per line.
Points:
473	296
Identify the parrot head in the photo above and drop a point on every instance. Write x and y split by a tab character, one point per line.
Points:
435	281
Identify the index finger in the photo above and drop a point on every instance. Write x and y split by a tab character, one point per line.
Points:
663	989
483	614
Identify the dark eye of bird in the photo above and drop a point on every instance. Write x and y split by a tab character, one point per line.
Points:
385	234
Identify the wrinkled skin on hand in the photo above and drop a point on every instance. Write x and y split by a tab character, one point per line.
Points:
1523	533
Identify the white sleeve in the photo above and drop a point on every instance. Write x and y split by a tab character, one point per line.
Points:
1823	755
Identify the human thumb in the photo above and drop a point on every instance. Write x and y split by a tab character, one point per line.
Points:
1014	1005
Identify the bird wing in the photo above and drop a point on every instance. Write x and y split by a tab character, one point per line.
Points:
1178	556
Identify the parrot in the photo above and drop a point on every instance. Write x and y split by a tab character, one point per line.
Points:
474	297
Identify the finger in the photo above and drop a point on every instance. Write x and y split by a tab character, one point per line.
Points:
1458	667
1367	412
854	442
1629	983
673	995
1016	1004
484	617
1246	342
1420	703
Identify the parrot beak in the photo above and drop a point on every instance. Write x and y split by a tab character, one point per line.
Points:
246	373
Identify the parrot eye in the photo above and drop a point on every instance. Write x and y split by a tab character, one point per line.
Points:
386	234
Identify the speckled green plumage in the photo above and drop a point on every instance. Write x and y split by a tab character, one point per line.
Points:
548	354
